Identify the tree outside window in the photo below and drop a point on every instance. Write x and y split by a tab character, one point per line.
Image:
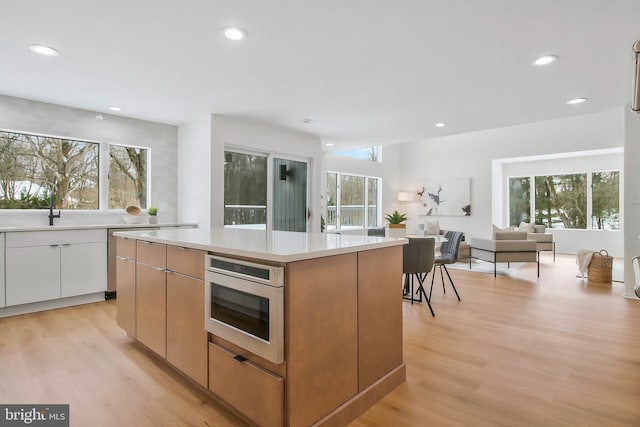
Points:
32	166
127	177
519	200
605	207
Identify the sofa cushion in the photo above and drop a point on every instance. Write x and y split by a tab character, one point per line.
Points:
541	229
432	228
510	235
527	227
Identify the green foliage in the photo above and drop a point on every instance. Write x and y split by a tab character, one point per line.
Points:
153	211
519	201
396	218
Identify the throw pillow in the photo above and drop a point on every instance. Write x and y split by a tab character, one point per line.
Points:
528	227
432	228
496	228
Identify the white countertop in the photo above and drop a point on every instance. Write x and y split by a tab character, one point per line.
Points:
89	227
277	246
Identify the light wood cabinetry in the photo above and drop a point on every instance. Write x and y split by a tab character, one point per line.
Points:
251	390
321	336
125	273
186	337
151	296
379	314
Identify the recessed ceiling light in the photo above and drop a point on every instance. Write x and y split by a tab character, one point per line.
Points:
114	108
576	101
44	50
329	144
307	121
545	60
440	125
234	34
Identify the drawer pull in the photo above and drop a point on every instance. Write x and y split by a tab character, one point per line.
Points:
240	359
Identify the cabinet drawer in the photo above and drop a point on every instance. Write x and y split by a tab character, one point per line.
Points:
189	262
150	253
254	392
21	239
126	248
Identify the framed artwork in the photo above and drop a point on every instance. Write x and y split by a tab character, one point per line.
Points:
446	197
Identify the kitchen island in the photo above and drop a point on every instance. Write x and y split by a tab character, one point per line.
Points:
341	319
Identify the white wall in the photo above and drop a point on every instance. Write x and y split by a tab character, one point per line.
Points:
471	156
194	172
38	117
235	132
632	196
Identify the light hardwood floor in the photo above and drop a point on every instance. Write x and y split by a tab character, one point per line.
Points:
517	350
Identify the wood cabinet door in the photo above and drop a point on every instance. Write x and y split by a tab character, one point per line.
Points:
151	307
126	301
379	313
251	390
189	262
186	337
83	268
32	274
321	336
150	253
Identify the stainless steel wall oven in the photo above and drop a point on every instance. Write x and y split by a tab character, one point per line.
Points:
244	304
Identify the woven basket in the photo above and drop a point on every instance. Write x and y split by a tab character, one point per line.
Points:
600	268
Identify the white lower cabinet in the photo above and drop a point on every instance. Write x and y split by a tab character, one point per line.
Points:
83	268
47	265
2	300
33	274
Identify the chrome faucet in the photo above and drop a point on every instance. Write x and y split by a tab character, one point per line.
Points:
51	215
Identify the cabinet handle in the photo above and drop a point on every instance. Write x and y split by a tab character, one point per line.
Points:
53	246
240	359
66	244
160	269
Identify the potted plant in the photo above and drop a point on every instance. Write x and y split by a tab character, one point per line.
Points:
153	212
396	226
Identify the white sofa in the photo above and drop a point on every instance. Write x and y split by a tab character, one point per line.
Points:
506	246
544	240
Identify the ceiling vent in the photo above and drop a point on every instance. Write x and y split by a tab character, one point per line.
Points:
635	101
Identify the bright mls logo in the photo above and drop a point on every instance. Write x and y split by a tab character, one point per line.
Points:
34	415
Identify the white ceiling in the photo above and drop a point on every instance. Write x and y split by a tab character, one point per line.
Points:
366	71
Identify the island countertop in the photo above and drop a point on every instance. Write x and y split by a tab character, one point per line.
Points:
276	246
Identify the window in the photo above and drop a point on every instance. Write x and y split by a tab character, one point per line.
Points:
33	166
519	198
352	201
373	154
568	201
605	204
245	190
561	201
127	177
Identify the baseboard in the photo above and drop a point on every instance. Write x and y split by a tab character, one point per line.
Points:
358	405
630	296
16	310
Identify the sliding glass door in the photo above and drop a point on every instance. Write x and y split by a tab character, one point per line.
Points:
252	200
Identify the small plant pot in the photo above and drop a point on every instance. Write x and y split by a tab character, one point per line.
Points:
153	219
397	230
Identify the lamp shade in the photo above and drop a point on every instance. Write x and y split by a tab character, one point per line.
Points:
405	196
